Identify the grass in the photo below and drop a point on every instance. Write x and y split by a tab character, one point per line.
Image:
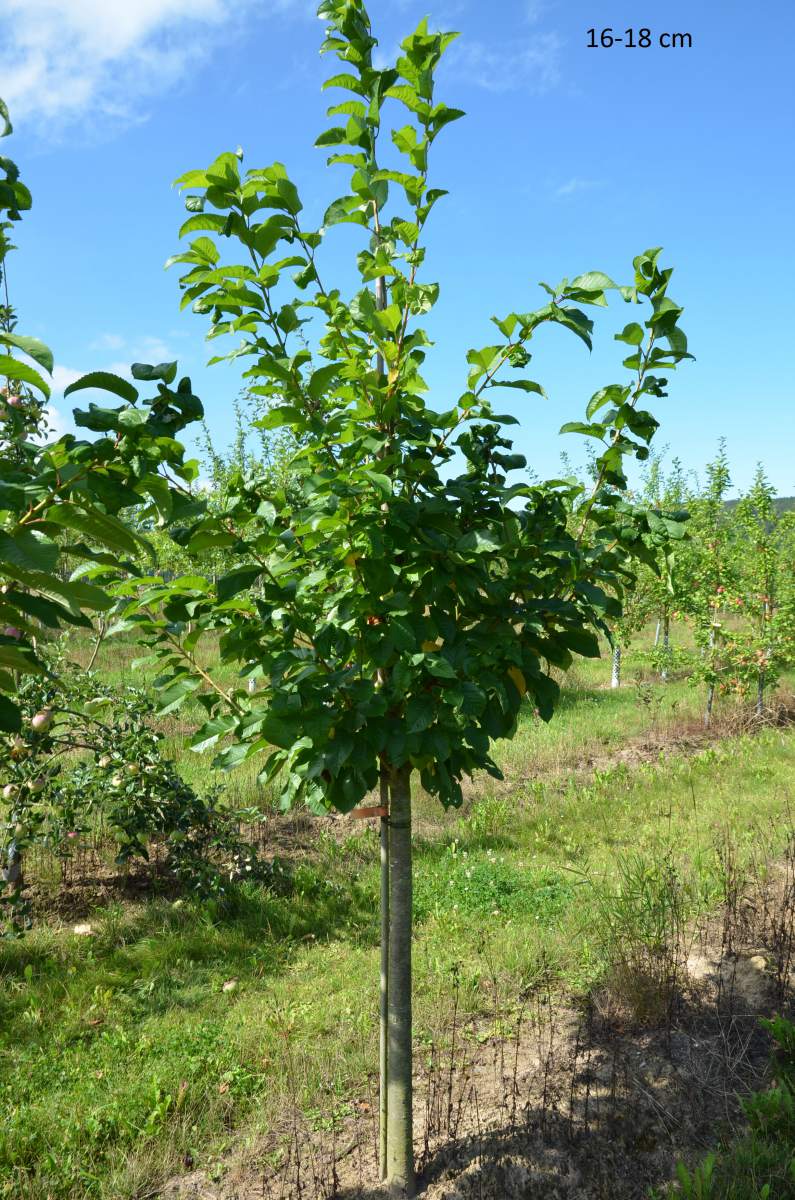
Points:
175	1029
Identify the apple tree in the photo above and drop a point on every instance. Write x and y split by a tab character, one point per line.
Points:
64	502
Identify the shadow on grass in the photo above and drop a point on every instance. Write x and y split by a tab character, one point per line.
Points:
252	927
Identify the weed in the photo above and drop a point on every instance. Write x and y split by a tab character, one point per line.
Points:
642	931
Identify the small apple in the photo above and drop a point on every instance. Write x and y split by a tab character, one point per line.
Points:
42	720
105	761
37	784
132	768
10	792
117	780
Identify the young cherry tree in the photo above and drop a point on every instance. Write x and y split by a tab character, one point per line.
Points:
409	597
764	646
655	589
710	570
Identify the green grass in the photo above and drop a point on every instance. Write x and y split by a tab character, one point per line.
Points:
122	1052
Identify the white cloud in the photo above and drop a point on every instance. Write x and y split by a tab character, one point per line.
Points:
153	350
58	424
534	10
93	60
107	341
62	377
572	186
59	417
533	67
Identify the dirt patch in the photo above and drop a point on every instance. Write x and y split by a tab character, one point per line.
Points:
563	1105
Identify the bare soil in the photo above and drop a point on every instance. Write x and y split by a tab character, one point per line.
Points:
574	1103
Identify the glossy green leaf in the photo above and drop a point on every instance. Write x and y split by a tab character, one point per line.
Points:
104	381
30	346
21	372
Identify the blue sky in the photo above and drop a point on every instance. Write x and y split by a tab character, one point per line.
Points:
570	159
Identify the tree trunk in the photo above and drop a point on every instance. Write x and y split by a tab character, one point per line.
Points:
760	683
383	999
11	875
657	635
666	646
708	709
711	688
615	679
399	1139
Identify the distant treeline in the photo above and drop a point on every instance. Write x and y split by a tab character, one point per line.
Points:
781	504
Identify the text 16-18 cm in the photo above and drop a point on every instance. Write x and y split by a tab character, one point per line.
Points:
638	39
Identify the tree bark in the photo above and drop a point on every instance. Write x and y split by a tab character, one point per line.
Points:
666	646
711	688
383	1000
400	1146
760	683
12	876
615	679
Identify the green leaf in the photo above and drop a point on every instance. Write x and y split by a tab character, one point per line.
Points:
632	334
166	371
27	550
524	385
17	660
49	612
100	420
481	541
439	666
97	526
581	641
104	381
239	580
346	209
592	281
613	392
14	368
10	716
211	731
32	347
594	430
172	696
381	482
